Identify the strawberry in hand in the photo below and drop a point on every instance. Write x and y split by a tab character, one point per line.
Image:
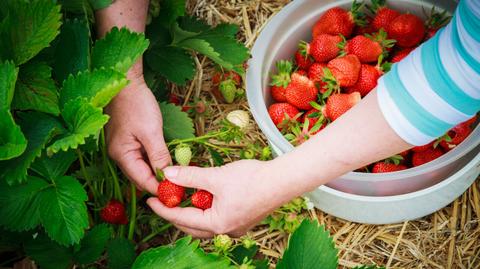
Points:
202	199
170	194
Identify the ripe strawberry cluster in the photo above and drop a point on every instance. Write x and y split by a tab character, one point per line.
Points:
348	53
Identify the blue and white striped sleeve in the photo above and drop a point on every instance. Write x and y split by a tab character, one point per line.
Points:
438	84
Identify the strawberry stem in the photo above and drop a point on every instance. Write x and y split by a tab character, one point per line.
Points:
159	175
133	211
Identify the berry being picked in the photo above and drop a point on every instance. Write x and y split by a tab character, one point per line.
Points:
385	167
280	80
383	15
183	154
316	74
419	158
456	135
302	57
169	193
202	199
407	29
324	47
280	112
367	80
401	54
337	21
301	91
338	104
114	213
345	70
239	118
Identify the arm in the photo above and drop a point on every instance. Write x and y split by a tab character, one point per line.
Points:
433	89
136	122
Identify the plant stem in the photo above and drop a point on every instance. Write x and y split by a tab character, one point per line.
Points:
152	235
133	211
85	174
197	139
116	182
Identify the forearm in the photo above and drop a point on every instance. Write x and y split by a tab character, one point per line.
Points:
359	137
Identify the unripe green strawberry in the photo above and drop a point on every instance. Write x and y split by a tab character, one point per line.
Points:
228	90
222	242
239	118
183	155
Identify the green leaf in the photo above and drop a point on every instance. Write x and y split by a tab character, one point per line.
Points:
54	166
240	252
8	77
48	254
39	129
176	123
99	4
175	64
75	36
12	140
120	254
35	89
181	255
98	87
158	34
217	158
63	210
12	241
83	120
29	27
170	10
119	49
193	24
310	246
19	205
93	244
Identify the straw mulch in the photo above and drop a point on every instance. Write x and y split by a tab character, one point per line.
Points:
446	239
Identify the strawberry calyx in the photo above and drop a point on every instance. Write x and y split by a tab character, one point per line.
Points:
358	17
284	70
436	19
376	5
159	175
331	83
288	122
444	137
381	38
304	49
342	46
395	159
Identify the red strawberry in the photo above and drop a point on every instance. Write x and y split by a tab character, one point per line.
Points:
337	21
169	193
345	70
301	91
426	156
457	135
471	121
278	93
313	116
114	213
338	104
404	154
407	29
401	54
220	76
202	199
364	48
365	29
383	15
174	99
384	167
316	74
302	72
423	147
325	47
281	80
367	80
278	111
303	60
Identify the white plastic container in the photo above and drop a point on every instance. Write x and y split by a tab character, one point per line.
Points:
356	196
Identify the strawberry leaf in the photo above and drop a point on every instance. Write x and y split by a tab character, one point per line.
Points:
54	166
47	253
83	120
98	87
64	213
99	4
176	123
175	64
35	89
216	157
29	27
12	140
310	246
183	254
8	77
170	11
39	129
75	36
119	49
120	253
93	244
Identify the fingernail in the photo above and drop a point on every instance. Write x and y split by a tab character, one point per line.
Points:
171	172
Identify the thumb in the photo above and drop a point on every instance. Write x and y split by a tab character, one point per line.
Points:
191	176
157	151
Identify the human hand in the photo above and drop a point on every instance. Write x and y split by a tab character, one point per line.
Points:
244	192
134	134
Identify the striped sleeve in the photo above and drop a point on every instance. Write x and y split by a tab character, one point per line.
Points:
438	84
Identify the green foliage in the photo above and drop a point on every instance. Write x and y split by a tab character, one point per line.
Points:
8	77
310	246
99	4
12	141
93	244
120	254
176	123
171	62
288	217
35	89
51	167
182	255
170	10
119	50
74	35
47	253
28	28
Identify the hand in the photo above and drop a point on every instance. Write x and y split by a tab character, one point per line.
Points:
134	134
244	193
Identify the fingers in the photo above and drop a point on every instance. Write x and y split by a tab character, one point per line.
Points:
157	151
190	176
136	169
193	218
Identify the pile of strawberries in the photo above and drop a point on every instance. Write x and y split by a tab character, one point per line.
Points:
350	50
